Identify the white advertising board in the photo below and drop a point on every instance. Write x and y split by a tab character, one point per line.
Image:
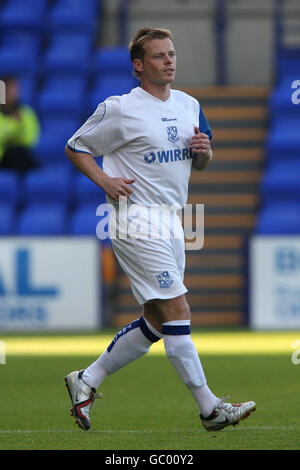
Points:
49	283
274	282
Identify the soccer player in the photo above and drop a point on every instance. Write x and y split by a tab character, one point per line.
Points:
150	139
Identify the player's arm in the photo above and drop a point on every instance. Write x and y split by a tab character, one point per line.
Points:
113	187
202	152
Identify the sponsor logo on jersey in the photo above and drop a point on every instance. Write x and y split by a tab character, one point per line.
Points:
172	134
164	279
149	157
165	119
167	156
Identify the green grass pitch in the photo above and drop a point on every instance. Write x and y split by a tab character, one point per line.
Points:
145	406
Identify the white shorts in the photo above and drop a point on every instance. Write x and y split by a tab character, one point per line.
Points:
154	266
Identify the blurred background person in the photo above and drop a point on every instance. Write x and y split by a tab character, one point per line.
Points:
19	130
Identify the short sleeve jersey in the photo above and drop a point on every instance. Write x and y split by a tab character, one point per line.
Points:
145	138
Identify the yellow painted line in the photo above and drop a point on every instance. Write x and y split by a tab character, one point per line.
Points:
206	343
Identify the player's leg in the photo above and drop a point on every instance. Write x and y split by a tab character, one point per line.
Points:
174	318
174	315
132	342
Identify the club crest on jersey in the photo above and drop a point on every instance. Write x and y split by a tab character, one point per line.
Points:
164	279
149	157
172	134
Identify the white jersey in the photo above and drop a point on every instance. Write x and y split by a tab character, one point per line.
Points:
145	138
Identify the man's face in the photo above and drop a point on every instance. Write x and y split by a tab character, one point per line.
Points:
159	64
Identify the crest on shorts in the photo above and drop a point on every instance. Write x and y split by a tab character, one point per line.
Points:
164	279
172	134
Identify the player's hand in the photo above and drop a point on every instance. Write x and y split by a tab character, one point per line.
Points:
200	143
116	187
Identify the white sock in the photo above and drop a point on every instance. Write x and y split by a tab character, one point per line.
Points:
183	355
132	342
205	399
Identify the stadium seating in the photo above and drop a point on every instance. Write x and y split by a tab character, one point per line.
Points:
7	213
288	64
19	55
283	139
28	15
68	54
281	101
48	186
84	221
42	220
279	218
50	46
54	136
113	62
27	90
106	87
74	15
62	97
9	186
281	182
86	192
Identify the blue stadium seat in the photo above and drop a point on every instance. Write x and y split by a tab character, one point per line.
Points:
48	186
279	219
74	15
42	220
9	187
29	14
288	63
19	60
68	53
86	192
27	90
62	97
23	40
54	135
113	62
283	139
7	214
106	87
84	221
281	182
19	52
281	101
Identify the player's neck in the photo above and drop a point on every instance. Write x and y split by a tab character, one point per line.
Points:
162	92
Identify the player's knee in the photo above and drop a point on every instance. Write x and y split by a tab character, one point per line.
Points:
173	309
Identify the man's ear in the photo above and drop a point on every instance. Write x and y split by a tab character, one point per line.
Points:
138	65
